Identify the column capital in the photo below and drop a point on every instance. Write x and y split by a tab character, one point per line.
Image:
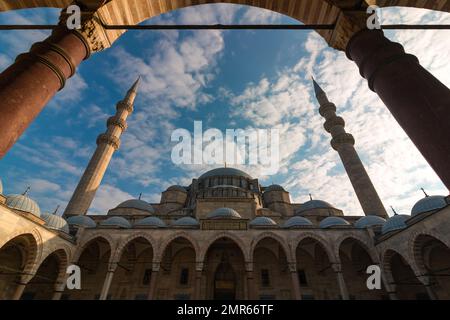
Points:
199	265
249	266
337	267
156	266
347	25
92	32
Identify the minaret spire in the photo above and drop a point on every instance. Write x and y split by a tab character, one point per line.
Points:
343	143
107	143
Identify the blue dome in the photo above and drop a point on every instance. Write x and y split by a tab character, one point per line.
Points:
313	204
329	222
263	221
81	221
137	204
428	204
224	213
186	222
177	188
55	222
274	187
118	222
396	222
369	221
23	203
297	221
151	222
225	172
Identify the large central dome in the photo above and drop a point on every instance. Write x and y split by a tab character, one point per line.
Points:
225	172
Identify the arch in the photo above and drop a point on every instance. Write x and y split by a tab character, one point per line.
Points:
87	241
204	249
123	244
45	281
271	235
364	243
306	11
182	234
319	239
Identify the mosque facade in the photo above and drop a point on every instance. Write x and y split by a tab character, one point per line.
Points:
224	236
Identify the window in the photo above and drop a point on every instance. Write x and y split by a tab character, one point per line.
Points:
184	276
302	278
265	279
147	277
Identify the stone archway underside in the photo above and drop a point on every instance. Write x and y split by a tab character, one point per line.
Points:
348	16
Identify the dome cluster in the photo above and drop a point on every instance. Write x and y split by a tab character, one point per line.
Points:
137	204
23	203
55	222
313	204
225	172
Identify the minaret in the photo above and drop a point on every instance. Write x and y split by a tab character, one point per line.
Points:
343	143
107	143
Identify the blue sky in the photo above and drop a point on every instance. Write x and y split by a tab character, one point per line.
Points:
227	79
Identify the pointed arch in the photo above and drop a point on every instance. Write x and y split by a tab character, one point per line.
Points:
208	243
166	243
271	235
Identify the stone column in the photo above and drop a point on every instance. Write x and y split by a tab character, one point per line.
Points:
18	291
153	281
418	101
107	283
390	287
337	268
295	283
59	289
198	280
250	281
426	281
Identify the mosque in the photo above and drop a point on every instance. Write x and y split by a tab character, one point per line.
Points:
224	236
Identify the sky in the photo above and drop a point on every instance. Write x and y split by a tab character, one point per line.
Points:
228	80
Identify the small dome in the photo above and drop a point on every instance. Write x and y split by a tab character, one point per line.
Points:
118	222
369	221
396	222
81	221
177	188
151	222
313	204
224	213
225	172
137	204
262	221
428	204
329	222
23	203
186	222
55	222
297	221
274	187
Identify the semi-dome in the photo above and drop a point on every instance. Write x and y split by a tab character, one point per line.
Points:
225	172
262	222
369	221
150	222
177	188
118	222
274	187
55	222
224	213
186	222
137	204
330	222
396	222
81	221
313	204
296	222
23	203
428	204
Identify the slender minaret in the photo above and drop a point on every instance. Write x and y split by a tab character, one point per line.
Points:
107	143
343	143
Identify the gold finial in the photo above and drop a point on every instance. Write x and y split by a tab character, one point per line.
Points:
310	197
225	164
426	195
140	195
56	210
393	210
26	190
